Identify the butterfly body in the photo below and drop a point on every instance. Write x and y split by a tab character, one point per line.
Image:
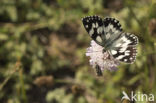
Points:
109	34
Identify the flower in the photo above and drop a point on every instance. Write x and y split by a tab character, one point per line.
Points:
101	59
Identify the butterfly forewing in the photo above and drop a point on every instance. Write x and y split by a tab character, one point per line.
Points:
112	29
111	24
94	26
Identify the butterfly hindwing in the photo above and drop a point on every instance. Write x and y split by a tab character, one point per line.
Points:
124	48
124	40
94	26
127	56
132	38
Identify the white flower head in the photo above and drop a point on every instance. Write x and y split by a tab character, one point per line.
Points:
103	59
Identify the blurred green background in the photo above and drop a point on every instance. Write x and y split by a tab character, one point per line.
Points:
43	45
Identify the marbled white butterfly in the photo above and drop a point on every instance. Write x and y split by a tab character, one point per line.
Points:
108	33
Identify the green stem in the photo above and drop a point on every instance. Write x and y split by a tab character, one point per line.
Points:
16	68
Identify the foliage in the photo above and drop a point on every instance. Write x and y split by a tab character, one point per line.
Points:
48	40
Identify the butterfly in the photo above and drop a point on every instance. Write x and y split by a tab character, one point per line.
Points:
108	33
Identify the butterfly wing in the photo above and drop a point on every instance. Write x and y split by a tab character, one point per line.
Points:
101	31
124	48
111	24
94	27
112	30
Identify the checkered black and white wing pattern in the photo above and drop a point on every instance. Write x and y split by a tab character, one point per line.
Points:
112	29
111	24
124	48
94	26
